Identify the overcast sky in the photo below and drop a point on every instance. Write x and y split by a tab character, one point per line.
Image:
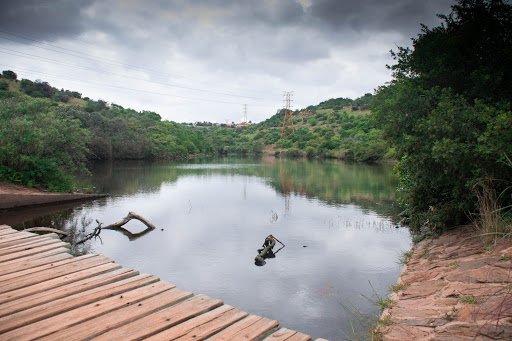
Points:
203	60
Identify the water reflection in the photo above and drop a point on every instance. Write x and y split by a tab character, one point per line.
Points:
344	213
333	182
132	236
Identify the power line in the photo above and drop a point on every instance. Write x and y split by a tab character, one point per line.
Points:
53	61
131	89
94	58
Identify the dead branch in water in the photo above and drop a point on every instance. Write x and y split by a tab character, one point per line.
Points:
118	227
130	216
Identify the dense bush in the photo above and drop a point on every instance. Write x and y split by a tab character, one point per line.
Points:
40	146
447	112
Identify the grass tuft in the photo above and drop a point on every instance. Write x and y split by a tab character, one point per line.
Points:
494	223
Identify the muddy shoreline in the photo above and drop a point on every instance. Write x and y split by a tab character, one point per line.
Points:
452	288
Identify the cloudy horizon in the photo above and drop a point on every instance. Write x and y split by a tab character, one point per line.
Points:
202	61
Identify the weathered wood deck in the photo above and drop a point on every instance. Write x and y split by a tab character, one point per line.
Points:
47	294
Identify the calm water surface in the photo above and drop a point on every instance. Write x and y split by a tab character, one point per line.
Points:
336	219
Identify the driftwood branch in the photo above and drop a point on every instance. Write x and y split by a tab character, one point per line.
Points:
130	216
46	229
118	227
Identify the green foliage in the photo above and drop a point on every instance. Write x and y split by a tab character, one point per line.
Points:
447	112
39	145
323	133
4	85
37	88
293	152
45	142
405	257
467	299
384	303
8	74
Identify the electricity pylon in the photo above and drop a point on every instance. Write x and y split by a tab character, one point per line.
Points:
288	112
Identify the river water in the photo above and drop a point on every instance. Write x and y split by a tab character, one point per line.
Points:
337	221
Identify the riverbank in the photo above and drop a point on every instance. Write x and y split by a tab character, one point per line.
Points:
14	196
452	287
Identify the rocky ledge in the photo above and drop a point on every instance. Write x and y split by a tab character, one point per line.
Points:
452	288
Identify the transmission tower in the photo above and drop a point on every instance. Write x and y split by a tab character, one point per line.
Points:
288	112
245	113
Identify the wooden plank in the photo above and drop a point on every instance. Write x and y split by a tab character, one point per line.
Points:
25	272
82	284
26	253
5	232
284	334
202	326
12	232
17	235
116	318
27	263
42	328
20	237
60	271
24	241
300	337
280	335
5	227
64	304
32	245
249	328
57	282
162	319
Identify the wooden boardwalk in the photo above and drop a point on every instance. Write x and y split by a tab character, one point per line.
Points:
47	294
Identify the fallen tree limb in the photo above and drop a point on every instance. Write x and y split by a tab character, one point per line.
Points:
118	227
130	216
46	229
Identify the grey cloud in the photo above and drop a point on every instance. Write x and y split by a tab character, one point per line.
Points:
400	15
47	20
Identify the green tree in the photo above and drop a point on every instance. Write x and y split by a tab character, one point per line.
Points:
8	74
451	92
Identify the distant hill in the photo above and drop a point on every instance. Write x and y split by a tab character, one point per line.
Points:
337	128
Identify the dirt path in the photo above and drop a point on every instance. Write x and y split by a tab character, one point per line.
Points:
453	288
16	196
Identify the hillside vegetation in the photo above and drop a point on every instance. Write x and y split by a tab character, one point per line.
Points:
338	128
48	135
35	113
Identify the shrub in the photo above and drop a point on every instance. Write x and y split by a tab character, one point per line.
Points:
39	146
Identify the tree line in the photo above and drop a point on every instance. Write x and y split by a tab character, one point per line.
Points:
45	141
